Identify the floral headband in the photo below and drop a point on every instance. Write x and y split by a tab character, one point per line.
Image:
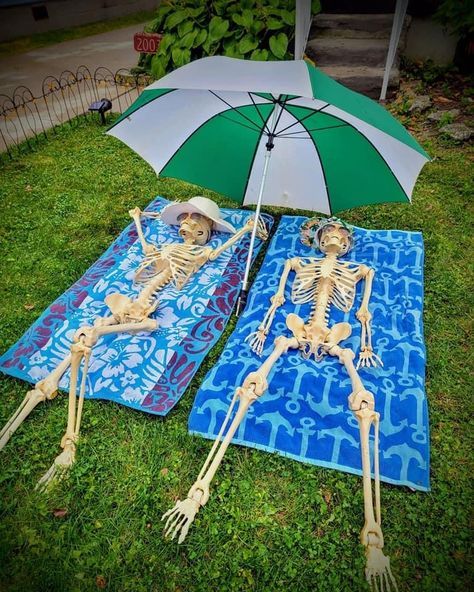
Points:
310	231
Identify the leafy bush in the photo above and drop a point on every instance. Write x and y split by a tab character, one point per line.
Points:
192	29
457	16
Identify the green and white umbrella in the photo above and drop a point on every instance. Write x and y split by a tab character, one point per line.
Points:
216	121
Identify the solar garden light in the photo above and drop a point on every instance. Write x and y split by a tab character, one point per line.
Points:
101	107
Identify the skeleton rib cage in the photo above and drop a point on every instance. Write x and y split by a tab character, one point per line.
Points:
343	277
183	260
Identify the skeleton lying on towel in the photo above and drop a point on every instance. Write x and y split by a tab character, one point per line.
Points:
323	282
175	263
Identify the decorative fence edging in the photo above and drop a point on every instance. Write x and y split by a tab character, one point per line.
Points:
26	119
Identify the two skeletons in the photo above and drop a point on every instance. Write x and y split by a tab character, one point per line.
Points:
172	263
323	282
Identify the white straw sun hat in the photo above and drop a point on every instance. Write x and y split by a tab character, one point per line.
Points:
197	205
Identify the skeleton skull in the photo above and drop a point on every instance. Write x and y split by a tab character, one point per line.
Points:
329	235
194	228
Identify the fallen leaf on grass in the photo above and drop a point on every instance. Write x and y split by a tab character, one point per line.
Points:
28	306
100	582
60	512
164	472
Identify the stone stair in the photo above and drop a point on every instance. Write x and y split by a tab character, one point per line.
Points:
352	48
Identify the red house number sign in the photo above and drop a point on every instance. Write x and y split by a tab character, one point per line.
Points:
146	42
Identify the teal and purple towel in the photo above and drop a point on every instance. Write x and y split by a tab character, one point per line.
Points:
304	414
146	371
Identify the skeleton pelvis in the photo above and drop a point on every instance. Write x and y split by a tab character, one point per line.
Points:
125	309
316	335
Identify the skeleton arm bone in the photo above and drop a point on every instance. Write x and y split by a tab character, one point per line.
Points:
366	357
257	339
136	214
261	231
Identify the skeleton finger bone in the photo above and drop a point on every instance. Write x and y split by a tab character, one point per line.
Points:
262	231
257	340
368	358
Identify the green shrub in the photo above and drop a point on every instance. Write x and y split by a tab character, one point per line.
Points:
457	16
250	29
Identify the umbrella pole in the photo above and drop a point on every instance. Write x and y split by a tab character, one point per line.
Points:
242	300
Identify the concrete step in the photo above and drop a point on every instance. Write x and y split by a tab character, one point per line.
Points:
363	26
362	78
330	51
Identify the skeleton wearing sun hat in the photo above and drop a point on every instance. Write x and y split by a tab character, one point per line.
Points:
173	263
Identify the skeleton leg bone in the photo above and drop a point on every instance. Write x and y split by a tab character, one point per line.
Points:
123	309
85	339
181	516
362	403
44	389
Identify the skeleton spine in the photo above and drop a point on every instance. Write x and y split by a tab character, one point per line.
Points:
148	293
319	314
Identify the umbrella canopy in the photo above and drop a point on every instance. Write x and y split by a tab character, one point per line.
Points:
213	121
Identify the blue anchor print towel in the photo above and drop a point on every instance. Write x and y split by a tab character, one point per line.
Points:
145	371
304	414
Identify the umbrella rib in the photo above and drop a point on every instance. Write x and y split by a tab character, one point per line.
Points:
313	112
260	115
316	129
279	115
253	158
371	143
255	127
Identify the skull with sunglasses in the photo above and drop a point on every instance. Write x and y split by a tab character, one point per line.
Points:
194	228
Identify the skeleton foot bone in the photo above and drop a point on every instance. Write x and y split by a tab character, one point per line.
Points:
58	470
377	571
181	516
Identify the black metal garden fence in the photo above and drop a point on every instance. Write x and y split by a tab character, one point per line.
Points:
26	119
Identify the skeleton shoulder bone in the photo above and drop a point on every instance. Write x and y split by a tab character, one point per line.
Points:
174	263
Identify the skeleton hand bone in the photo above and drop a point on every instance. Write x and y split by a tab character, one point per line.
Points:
257	340
368	358
262	231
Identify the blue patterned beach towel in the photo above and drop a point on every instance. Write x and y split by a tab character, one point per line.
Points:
304	414
146	371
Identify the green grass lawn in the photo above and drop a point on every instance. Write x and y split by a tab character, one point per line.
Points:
271	524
